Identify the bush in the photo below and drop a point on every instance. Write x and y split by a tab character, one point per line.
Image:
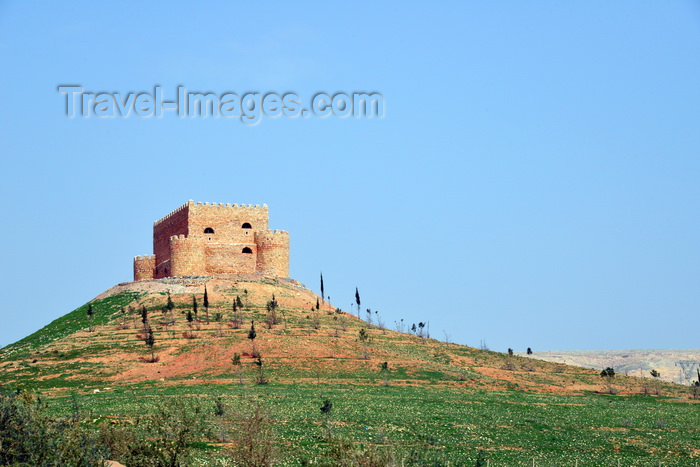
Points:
343	452
29	437
253	436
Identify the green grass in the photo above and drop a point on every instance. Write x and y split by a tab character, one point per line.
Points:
445	426
438	408
105	310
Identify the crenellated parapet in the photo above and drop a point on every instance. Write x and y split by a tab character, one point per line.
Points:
174	213
228	205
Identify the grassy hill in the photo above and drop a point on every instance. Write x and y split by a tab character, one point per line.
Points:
423	400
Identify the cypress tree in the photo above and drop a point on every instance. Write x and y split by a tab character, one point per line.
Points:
89	315
206	303
150	342
323	296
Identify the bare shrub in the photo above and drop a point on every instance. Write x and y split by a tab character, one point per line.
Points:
345	452
695	389
253	436
509	364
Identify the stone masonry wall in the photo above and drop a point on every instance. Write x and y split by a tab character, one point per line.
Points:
144	267
227	221
222	259
273	252
187	257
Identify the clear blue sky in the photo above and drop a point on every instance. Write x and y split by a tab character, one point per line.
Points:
535	180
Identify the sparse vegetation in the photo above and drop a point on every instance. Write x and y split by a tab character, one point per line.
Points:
608	375
261	379
150	342
384	370
252	334
253	436
123	324
445	404
195	310
144	318
90	312
272	306
323	292
170	306
326	412
189	334
205	302
363	335
236	361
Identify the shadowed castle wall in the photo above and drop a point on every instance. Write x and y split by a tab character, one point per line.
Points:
171	225
144	267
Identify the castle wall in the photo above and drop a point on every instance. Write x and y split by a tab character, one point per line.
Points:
227	258
174	223
273	252
187	257
144	267
227	221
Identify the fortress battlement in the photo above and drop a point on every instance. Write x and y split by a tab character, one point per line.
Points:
231	206
172	213
201	239
273	233
198	205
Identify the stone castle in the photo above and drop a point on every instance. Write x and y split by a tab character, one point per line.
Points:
206	239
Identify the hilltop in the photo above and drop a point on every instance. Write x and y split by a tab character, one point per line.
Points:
301	344
395	395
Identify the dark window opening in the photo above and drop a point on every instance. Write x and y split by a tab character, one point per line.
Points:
246	226
247	250
208	230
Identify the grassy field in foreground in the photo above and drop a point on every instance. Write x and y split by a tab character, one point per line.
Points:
437	425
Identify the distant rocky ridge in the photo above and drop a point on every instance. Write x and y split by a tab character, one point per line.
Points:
678	366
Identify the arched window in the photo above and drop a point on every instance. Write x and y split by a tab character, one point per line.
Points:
246	225
247	250
208	230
